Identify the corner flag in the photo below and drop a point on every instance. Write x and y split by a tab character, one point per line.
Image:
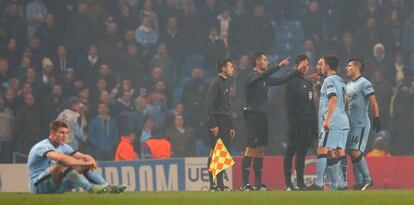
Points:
220	160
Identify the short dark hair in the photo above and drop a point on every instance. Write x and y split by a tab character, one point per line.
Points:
56	124
358	62
256	56
332	62
221	63
301	58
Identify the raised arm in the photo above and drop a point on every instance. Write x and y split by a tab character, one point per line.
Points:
272	81
265	74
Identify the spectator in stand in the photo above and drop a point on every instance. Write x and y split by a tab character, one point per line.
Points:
125	19
224	23
28	116
173	37
379	60
313	22
311	51
37	52
109	45
181	138
49	34
156	147
70	116
4	72
10	100
125	150
163	60
146	132
190	28
368	36
394	26
379	149
26	62
79	33
128	38
260	27
36	12
103	134
89	65
35	82
148	11
156	75
167	10
105	72
214	47
130	64
238	38
147	36
408	39
62	59
14	22
124	109
346	50
47	73
67	82
7	138
243	70
398	73
194	101
124	86
208	13
159	109
53	104
12	53
402	141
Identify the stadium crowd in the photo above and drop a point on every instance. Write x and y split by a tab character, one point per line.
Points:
137	71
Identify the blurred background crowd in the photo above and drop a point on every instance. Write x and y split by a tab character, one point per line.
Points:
139	70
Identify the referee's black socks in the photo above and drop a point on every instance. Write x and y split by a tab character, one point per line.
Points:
257	167
210	175
246	169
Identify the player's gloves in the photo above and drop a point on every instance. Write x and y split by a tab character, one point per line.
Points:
377	124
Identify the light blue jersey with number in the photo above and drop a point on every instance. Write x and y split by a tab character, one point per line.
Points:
37	161
333	86
359	91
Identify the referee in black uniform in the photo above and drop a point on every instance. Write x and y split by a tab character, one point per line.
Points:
219	120
302	118
257	86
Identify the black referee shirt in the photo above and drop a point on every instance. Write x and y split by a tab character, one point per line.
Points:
258	84
218	100
300	99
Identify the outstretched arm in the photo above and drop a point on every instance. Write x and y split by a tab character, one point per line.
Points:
265	74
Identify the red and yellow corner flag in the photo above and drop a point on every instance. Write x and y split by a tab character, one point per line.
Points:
221	159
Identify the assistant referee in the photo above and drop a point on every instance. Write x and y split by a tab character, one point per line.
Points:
219	121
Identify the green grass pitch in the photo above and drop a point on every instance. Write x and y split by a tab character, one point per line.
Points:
397	197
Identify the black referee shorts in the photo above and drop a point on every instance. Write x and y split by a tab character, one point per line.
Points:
302	134
256	123
224	125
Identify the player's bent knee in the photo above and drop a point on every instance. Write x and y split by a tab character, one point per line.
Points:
80	169
355	154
